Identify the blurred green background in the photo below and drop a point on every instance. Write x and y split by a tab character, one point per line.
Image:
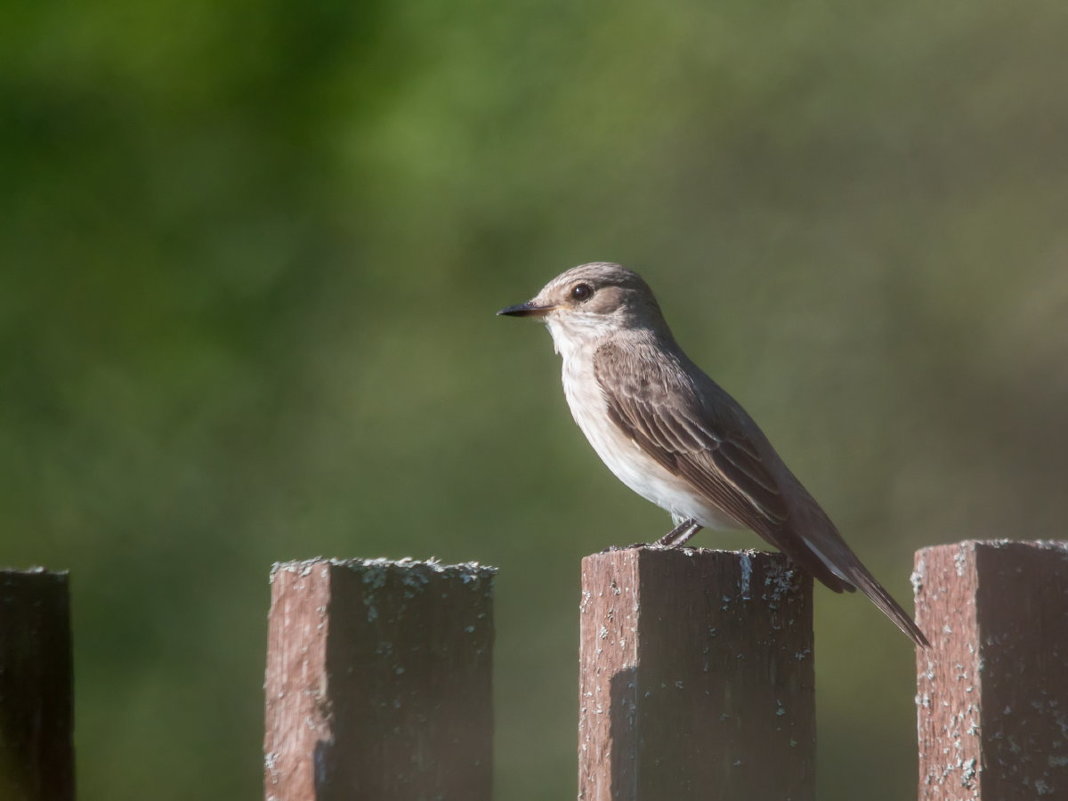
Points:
250	256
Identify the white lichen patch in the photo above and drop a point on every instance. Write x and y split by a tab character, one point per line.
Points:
779	582
302	567
960	559
968	770
917	576
745	559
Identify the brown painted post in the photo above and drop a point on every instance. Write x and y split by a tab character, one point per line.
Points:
992	691
378	681
696	677
36	678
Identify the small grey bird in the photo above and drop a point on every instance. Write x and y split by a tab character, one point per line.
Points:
675	437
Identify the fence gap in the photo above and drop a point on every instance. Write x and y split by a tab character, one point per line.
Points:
696	678
992	691
36	687
378	681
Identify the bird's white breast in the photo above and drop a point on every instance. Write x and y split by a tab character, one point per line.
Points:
622	455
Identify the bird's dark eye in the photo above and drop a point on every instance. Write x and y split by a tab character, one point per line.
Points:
581	292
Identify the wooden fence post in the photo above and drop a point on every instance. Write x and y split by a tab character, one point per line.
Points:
696	677
992	691
378	681
36	706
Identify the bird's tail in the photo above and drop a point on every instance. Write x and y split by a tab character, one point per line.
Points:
815	531
859	577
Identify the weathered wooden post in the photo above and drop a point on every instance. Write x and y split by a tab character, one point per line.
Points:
36	680
697	677
378	683
992	691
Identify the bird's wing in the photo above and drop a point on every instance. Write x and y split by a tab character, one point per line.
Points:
704	436
656	404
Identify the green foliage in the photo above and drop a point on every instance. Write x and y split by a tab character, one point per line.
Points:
250	255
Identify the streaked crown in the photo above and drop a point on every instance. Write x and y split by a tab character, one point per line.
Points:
600	289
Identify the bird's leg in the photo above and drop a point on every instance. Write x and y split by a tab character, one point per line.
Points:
679	535
684	537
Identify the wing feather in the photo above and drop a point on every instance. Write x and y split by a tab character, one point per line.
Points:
660	409
704	437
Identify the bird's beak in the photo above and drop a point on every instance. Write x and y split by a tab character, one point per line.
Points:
528	309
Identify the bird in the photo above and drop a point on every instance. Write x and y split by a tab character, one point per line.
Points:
675	437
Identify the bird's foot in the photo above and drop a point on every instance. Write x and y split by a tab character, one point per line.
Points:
679	535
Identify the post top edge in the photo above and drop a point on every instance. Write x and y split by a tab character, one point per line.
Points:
998	544
35	570
464	569
641	549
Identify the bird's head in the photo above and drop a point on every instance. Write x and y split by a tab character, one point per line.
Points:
591	301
